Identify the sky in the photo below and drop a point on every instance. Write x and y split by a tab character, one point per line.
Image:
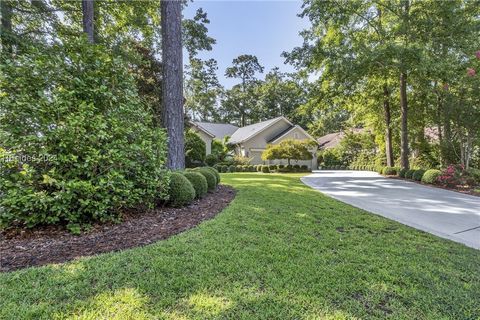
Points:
261	28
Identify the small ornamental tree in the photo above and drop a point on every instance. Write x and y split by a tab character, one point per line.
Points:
289	149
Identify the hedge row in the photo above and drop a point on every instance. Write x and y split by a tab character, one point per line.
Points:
352	167
185	186
425	176
263	168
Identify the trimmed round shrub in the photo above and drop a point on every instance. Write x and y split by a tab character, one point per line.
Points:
215	172
265	169
272	167
211	179
181	191
251	168
231	168
389	171
409	174
304	168
402	172
239	168
258	168
431	176
281	166
198	181
224	169
418	174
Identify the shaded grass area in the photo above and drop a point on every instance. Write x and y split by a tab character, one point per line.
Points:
280	251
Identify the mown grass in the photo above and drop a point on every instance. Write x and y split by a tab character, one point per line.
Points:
279	251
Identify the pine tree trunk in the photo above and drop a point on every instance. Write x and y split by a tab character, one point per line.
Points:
404	120
172	82
87	17
388	129
6	31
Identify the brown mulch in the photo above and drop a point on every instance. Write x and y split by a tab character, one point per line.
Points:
54	244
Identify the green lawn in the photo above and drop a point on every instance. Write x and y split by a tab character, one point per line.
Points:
279	251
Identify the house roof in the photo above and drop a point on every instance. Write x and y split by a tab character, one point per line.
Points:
245	133
216	130
332	140
291	128
284	132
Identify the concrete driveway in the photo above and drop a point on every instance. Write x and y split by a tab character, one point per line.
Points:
447	214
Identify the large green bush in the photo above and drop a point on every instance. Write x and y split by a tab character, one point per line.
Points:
402	172
409	174
210	176
195	149
181	191
215	172
78	143
430	176
389	171
418	174
198	181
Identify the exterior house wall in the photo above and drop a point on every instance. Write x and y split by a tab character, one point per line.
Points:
206	138
259	142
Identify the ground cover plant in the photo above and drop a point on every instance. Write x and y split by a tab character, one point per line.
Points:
280	251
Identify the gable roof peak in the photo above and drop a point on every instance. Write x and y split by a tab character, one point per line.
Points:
247	132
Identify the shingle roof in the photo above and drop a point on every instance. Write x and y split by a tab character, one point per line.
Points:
332	140
246	132
219	130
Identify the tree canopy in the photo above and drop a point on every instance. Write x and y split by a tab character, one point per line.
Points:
289	149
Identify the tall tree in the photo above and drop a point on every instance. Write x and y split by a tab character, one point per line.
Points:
244	67
88	19
172	85
202	89
405	30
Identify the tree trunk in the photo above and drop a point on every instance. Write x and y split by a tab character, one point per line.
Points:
388	129
404	129
87	17
172	84
6	31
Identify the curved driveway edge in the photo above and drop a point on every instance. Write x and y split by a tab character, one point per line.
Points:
444	213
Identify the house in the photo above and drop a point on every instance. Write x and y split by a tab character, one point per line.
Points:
332	140
250	141
209	131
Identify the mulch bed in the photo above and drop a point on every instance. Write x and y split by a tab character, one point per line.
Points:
460	189
54	244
